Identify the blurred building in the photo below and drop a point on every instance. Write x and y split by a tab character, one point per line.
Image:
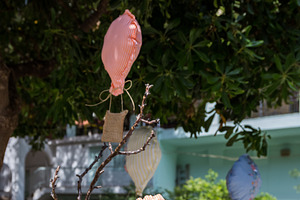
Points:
183	157
27	173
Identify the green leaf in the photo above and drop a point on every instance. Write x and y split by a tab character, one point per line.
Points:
229	132
215	3
292	86
226	100
149	30
194	34
212	79
203	43
290	60
232	140
158	84
274	86
174	23
255	43
182	37
246	30
250	127
53	15
253	55
234	72
277	62
180	87
208	122
187	82
202	56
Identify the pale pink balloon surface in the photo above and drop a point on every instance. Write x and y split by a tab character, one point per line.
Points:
122	44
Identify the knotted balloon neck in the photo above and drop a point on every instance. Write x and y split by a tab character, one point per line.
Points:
109	96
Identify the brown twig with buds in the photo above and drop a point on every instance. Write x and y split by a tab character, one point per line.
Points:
127	153
113	153
53	185
87	170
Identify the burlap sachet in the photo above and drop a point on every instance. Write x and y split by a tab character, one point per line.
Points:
113	126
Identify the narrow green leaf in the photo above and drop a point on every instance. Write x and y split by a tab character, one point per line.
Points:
229	132
180	89
194	34
234	72
182	37
290	60
203	43
246	30
208	122
232	140
187	82
215	3
255	43
250	127
202	56
277	62
292	86
172	24
253	55
225	100
158	84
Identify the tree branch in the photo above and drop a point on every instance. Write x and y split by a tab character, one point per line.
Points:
127	153
90	22
124	140
155	121
87	170
53	181
114	153
110	148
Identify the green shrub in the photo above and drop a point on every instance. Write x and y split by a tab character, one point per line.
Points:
207	189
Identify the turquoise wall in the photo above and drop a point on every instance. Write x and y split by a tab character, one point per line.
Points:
164	176
210	152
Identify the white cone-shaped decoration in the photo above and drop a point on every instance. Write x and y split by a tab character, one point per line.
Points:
141	166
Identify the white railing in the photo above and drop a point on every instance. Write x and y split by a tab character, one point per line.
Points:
37	178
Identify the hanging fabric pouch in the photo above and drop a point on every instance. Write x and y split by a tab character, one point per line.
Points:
113	126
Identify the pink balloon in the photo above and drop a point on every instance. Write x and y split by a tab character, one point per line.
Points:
122	44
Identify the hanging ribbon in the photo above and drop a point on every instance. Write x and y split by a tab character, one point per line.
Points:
109	96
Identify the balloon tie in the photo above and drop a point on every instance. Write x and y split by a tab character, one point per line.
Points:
126	90
109	96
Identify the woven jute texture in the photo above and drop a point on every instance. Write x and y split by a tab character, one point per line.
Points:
113	126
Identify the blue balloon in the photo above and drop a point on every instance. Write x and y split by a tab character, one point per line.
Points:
243	180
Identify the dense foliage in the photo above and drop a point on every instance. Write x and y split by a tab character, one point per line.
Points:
199	188
235	53
208	188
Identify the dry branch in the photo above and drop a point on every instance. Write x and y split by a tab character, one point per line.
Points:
113	153
87	170
127	153
53	183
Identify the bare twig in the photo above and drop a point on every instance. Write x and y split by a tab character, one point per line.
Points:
124	140
88	169
155	121
114	153
53	185
110	148
140	149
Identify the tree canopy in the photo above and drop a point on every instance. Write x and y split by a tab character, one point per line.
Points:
234	53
